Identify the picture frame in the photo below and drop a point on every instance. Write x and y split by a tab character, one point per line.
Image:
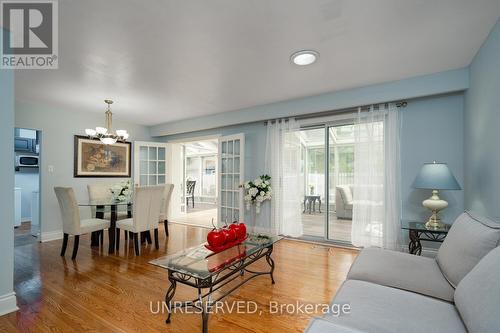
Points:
94	159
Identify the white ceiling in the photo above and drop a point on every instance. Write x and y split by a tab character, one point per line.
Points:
165	60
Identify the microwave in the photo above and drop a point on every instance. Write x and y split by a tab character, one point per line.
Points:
26	161
25	145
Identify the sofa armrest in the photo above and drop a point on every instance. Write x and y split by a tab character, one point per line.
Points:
320	325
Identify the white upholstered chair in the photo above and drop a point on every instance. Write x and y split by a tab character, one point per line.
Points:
344	202
146	214
72	224
167	195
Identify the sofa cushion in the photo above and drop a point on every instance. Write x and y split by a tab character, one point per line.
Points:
401	270
470	238
477	297
376	308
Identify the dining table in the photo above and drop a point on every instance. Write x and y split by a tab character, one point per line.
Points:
103	206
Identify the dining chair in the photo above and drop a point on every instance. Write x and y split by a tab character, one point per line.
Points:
167	195
145	216
190	185
72	223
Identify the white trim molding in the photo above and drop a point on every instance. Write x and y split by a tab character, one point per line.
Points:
8	303
51	235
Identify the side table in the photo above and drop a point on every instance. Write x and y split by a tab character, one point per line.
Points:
417	232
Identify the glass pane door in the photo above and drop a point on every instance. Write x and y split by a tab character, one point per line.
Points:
340	182
313	173
231	176
150	163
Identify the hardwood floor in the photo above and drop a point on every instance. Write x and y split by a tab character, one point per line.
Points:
112	293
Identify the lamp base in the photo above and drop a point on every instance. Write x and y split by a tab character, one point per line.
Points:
435	204
434	222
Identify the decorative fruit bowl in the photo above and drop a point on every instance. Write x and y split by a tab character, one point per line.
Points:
220	239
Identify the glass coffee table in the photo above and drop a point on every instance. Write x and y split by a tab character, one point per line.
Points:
207	271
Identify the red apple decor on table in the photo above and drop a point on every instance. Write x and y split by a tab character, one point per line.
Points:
240	229
216	237
230	234
226	237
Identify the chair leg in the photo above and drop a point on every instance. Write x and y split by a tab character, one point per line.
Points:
117	238
165	224
126	235
64	244
136	243
192	200
101	237
75	246
157	246
148	237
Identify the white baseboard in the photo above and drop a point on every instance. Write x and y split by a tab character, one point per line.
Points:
25	219
8	303
51	235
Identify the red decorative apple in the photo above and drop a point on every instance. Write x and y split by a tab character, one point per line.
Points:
240	229
230	234
216	237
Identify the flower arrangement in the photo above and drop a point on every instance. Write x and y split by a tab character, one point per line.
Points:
258	191
122	190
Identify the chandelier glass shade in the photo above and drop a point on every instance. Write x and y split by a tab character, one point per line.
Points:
105	134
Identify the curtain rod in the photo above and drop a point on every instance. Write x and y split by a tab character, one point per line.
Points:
399	104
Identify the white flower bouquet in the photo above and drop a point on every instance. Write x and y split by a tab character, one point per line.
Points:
258	191
122	191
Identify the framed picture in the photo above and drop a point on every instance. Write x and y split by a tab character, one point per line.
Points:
92	158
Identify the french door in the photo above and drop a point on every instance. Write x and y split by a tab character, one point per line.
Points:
150	163
231	177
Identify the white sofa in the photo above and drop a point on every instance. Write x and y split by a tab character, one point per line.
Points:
343	202
390	291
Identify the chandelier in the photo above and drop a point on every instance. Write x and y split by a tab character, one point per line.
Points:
105	134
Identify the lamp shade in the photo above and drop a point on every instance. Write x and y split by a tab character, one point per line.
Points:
436	176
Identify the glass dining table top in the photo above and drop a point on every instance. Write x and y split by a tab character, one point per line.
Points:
200	262
103	202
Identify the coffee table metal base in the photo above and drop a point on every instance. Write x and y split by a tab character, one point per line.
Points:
205	300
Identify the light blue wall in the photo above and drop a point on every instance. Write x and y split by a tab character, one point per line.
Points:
482	130
421	86
432	130
7	298
58	128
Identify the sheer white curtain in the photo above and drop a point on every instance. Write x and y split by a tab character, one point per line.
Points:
283	165
376	201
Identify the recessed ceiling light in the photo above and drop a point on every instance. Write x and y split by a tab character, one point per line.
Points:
305	57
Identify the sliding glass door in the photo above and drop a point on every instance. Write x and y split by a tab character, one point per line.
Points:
312	144
327	157
340	182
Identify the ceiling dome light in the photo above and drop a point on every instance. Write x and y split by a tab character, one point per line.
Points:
305	57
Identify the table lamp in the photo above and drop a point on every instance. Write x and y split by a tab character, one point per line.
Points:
435	176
